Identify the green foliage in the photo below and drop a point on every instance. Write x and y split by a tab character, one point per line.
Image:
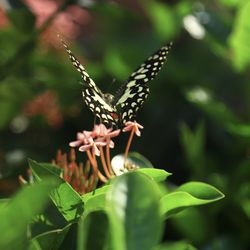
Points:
68	202
187	195
240	37
196	119
20	210
126	214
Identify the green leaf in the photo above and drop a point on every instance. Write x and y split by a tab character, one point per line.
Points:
96	202
3	203
66	199
194	224
187	195
178	245
15	216
50	220
239	39
157	175
52	168
93	231
50	240
97	191
133	205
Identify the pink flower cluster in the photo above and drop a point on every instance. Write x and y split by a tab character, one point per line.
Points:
99	137
93	143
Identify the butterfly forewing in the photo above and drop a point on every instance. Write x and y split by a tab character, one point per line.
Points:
135	91
92	95
85	76
130	96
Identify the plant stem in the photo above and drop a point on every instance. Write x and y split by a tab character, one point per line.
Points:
129	144
93	162
108	160
104	164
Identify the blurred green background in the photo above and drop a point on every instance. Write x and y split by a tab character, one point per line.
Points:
197	116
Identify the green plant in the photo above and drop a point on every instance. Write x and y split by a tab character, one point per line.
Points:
126	212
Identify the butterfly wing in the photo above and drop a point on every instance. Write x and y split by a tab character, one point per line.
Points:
92	95
135	91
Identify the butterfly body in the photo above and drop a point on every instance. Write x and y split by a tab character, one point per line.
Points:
116	110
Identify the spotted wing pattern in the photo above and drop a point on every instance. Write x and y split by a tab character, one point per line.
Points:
92	95
135	91
130	96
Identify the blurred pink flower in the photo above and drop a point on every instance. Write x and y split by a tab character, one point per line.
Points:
69	22
3	18
47	105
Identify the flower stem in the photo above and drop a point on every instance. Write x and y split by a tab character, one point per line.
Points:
129	144
93	162
104	164
108	160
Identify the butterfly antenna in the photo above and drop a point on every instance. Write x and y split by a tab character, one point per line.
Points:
112	83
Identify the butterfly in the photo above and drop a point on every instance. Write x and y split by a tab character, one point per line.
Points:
116	110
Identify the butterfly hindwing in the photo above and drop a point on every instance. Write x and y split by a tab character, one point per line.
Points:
98	106
133	100
135	91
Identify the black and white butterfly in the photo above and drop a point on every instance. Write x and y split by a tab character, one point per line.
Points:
121	108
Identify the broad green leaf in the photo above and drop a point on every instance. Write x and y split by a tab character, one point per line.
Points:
3	203
50	220
187	195
92	194
201	190
156	174
178	245
18	213
239	39
133	206
67	200
52	168
50	240
96	202
93	231
194	224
